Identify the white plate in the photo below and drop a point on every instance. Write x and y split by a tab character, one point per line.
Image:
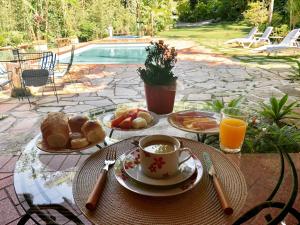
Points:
189	113
107	118
132	167
149	190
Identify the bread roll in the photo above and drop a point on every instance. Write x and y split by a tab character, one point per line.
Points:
55	130
139	122
76	122
79	143
93	131
75	135
147	116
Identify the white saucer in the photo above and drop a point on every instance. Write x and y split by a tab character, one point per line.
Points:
156	191
132	167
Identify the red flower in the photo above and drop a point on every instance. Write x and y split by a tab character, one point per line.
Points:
129	165
159	162
152	168
137	159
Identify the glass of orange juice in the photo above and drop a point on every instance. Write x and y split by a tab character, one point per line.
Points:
233	127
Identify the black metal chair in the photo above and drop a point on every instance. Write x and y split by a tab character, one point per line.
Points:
37	70
41	211
67	66
38	78
286	207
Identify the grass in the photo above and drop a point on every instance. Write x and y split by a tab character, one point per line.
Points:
214	35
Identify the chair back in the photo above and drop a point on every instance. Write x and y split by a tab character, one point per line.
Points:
252	33
48	61
35	77
290	38
267	33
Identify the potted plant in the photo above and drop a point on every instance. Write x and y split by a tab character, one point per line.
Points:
159	80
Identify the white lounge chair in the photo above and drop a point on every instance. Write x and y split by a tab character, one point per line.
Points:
248	39
264	38
5	77
289	42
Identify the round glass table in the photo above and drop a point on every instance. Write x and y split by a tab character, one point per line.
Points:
43	181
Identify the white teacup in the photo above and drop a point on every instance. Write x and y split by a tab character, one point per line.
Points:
160	155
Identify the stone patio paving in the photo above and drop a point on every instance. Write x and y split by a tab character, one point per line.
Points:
202	77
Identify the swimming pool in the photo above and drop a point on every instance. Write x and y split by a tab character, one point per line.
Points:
109	54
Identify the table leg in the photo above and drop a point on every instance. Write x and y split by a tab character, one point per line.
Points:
201	137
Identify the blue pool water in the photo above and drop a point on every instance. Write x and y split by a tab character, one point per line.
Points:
110	54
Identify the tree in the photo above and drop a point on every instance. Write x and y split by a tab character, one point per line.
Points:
271	8
294	10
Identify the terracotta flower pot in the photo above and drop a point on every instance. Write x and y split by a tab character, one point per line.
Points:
160	98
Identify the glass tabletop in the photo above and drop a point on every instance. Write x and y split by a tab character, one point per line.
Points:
43	181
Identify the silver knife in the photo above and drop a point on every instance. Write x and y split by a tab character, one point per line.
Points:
217	184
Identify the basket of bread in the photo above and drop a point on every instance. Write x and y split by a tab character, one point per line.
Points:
61	133
130	119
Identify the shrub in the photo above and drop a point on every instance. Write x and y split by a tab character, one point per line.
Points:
277	19
210	9
184	12
3	40
86	31
282	30
12	38
256	14
201	11
277	109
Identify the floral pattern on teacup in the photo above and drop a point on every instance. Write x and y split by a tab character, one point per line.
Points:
134	159
157	164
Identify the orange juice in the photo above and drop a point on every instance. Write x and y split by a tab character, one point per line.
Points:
232	133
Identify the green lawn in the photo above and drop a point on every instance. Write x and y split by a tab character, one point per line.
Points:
214	35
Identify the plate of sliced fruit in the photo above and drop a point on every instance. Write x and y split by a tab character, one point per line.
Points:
195	121
130	119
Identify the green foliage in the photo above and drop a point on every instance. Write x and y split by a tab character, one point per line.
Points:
294	12
282	30
86	31
267	138
256	14
87	19
12	38
217	105
296	72
210	9
277	110
159	64
155	15
183	10
277	19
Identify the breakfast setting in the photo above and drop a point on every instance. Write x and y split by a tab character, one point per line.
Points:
138	177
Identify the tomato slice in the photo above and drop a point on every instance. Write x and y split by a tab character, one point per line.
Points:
126	124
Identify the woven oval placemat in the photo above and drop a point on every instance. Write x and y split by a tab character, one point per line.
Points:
198	206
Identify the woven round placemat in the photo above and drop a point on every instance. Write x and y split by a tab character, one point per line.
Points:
200	205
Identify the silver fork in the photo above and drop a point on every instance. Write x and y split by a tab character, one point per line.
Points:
110	160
